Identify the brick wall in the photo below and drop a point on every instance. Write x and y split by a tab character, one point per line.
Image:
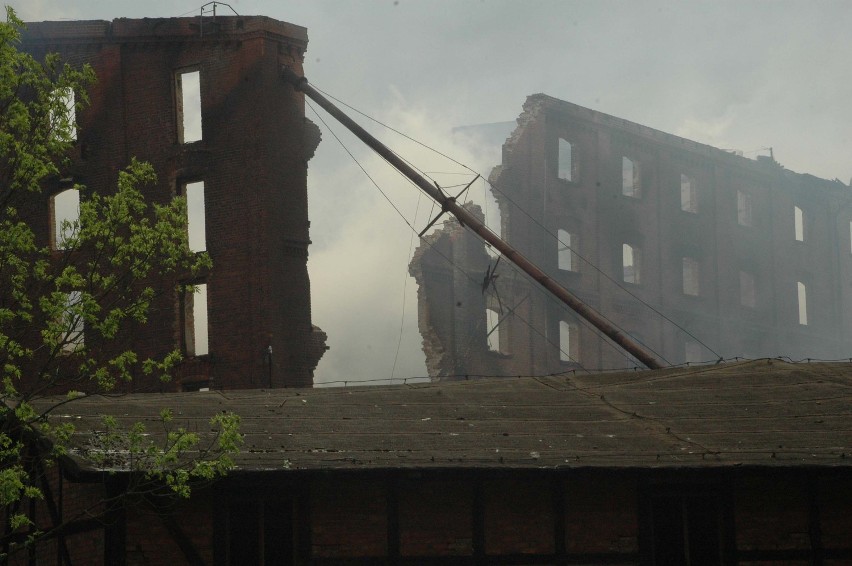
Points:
348	518
252	159
762	516
591	205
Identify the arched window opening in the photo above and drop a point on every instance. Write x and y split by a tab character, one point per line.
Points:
567	161
492	324
748	292
802	293
196	333
65	221
195	220
73	335
63	115
744	209
188	87
693	353
799	224
691	277
688	195
631	263
569	341
567	258
630	178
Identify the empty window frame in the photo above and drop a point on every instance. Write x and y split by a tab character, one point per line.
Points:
569	341
63	115
688	194
188	88
567	161
630	178
195	323
744	209
73	333
799	224
802	294
492	324
631	263
748	291
65	218
196	226
691	275
567	258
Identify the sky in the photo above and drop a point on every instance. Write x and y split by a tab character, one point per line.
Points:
743	75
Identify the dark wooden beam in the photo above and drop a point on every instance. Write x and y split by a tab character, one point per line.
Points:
115	524
478	520
54	512
193	557
392	499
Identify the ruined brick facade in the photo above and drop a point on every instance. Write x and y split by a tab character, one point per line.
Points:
249	159
750	258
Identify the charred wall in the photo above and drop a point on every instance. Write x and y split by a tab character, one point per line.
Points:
251	157
748	257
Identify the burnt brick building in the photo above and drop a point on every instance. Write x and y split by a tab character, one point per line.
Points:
746	257
201	100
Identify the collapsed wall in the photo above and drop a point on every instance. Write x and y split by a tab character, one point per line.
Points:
695	252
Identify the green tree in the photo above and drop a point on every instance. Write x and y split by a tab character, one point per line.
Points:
62	311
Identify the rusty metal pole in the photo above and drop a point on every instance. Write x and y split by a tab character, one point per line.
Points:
449	204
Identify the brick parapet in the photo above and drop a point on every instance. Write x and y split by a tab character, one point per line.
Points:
124	30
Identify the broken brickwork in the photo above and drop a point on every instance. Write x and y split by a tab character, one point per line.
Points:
749	258
247	158
451	302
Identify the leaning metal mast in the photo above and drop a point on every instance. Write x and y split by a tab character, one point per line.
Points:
449	204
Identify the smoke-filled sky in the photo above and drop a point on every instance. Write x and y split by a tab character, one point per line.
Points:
741	75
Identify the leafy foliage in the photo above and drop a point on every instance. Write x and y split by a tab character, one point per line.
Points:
64	307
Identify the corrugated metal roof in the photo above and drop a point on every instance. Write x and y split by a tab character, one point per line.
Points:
760	413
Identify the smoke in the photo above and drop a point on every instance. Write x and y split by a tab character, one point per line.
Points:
363	296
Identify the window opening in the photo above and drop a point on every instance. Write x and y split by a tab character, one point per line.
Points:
195	320
693	353
63	115
748	295
850	236
690	277
629	178
567	163
802	292
631	263
492	320
799	222
744	206
65	212
195	220
72	323
189	106
569	341
567	259
688	196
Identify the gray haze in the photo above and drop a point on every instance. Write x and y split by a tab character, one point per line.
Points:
739	75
